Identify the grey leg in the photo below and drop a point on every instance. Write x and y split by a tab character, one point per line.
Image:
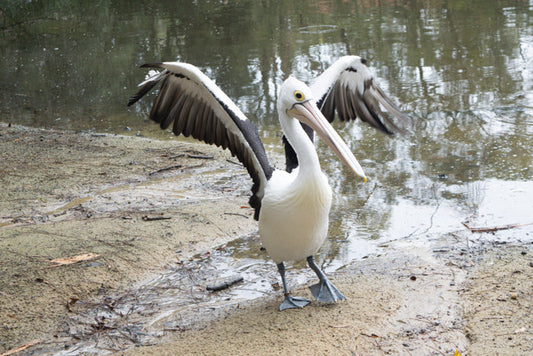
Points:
290	302
323	291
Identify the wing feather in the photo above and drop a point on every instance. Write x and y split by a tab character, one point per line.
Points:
192	119
349	88
197	107
174	115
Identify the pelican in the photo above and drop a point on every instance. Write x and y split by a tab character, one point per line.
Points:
292	205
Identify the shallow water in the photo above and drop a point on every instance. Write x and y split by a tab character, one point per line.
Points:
462	70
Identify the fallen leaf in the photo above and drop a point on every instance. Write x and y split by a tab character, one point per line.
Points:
74	259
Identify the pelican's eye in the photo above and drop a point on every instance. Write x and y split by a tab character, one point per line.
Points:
299	96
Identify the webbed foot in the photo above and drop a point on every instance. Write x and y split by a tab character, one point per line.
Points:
291	302
324	291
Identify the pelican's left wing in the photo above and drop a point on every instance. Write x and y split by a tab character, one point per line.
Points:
197	107
349	88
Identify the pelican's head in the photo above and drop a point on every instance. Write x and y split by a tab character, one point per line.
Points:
297	102
293	91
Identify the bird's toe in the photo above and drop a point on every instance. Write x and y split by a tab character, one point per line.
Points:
326	292
291	302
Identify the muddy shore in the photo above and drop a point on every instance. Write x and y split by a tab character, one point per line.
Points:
86	217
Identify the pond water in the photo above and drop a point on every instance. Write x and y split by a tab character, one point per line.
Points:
461	69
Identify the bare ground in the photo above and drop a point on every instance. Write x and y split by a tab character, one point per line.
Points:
85	218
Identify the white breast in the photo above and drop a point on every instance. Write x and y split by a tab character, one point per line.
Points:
293	221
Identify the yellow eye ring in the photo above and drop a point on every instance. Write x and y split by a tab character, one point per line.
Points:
299	96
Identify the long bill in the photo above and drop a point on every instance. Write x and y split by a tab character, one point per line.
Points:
308	113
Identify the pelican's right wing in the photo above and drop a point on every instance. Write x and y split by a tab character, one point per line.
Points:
197	107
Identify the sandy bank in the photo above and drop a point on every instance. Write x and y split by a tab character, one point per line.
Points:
86	217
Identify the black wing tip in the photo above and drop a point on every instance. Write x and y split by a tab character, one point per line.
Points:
142	92
390	128
133	100
147	86
387	131
385	125
152	65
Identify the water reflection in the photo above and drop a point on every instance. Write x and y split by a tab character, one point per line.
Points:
460	69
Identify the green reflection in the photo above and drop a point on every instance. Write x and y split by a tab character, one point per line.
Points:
460	69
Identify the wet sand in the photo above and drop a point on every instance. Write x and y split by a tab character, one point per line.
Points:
85	218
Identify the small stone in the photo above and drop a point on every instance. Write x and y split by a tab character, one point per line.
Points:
514	296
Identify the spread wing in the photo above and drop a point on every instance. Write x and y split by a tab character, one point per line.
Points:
195	106
349	88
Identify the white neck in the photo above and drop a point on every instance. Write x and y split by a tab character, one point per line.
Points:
308	162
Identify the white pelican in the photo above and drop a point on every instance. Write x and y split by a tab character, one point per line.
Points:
292	205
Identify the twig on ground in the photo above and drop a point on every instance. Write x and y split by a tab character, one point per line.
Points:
177	156
237	214
225	284
21	348
200	156
493	228
374	336
234	162
177	166
155	218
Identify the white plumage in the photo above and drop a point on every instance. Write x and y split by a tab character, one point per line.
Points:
293	221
